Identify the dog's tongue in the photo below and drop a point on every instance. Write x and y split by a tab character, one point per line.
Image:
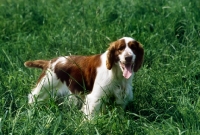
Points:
127	71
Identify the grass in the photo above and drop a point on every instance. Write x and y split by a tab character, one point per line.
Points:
166	89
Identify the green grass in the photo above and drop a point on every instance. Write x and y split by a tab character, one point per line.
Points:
166	89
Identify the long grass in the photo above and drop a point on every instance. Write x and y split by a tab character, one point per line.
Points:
166	89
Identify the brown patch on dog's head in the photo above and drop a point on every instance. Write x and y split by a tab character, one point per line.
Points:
114	50
138	50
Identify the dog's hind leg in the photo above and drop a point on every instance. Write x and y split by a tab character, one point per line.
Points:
46	87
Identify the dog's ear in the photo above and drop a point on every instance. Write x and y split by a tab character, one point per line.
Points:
139	56
111	55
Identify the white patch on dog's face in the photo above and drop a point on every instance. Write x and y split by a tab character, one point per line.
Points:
127	59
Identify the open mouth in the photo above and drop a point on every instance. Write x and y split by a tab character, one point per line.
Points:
127	68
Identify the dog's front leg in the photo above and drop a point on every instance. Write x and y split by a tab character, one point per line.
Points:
91	106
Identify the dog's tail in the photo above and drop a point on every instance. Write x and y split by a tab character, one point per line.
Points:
43	64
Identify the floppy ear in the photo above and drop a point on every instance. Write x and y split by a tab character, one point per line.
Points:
110	56
139	56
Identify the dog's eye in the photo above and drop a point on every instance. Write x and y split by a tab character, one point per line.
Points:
133	48
121	48
133	45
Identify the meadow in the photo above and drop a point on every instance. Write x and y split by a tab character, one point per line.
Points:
166	89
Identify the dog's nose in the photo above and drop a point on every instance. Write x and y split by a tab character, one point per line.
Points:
128	58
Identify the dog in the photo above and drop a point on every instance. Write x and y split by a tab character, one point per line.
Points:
93	77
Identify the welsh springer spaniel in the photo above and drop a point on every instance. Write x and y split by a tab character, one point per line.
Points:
91	77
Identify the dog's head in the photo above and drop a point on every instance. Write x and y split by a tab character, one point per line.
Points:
127	53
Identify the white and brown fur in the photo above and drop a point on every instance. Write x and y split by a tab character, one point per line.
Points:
92	77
